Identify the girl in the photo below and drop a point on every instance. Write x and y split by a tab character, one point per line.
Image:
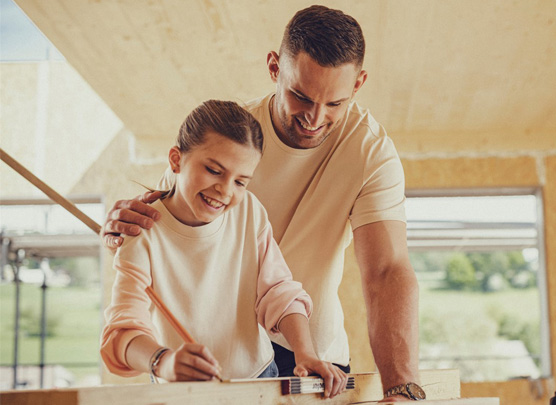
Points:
213	261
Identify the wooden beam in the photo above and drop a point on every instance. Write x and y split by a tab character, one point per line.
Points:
49	191
441	386
457	401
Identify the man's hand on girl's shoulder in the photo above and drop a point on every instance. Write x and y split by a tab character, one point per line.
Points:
127	217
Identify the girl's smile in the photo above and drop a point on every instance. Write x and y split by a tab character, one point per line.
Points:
210	179
212	202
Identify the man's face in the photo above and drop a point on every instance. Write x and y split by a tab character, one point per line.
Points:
310	100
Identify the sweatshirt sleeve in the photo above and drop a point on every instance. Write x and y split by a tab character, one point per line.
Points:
278	294
128	315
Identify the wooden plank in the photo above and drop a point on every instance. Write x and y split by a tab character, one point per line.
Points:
457	401
440	385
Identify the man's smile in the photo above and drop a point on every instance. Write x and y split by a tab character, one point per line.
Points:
309	128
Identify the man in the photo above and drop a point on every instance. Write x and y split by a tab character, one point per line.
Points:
328	164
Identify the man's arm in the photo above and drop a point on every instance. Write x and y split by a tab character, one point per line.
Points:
392	298
129	216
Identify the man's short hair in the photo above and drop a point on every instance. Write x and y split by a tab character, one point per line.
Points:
329	36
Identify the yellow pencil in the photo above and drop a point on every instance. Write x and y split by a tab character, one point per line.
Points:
178	327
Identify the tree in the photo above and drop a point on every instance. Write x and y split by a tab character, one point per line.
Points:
460	273
488	264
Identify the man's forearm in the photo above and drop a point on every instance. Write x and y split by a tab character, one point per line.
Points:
392	300
393	324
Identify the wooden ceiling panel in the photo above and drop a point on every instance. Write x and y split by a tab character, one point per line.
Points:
465	69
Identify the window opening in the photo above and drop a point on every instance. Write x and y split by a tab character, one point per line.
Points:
479	259
50	293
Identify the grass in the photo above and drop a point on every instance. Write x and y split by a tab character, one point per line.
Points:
75	312
523	303
463	321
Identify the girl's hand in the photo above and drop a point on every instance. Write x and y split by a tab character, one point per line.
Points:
335	380
189	363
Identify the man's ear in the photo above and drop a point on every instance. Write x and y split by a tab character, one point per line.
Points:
272	61
359	82
174	157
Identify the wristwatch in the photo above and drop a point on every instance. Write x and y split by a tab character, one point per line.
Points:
409	390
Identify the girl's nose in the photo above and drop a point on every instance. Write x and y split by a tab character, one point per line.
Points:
224	188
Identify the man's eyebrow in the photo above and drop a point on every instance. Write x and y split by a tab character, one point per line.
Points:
299	92
216	162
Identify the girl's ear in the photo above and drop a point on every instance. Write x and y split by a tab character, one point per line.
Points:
174	157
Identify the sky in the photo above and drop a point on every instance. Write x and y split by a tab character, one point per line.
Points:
20	39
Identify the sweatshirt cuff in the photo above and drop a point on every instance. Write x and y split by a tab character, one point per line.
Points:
114	353
296	307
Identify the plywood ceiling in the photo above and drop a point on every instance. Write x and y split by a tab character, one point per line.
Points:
467	73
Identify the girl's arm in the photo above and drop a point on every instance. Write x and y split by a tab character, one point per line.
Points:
129	339
295	328
283	306
127	317
189	362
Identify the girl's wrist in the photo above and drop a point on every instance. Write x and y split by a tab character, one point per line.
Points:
304	355
165	367
156	358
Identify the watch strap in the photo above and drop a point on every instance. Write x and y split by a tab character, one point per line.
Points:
402	389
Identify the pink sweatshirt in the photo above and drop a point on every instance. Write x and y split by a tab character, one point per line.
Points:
226	282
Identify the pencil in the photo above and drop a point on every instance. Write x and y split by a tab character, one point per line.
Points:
169	316
178	327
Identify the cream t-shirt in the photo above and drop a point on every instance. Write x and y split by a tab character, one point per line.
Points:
226	282
315	198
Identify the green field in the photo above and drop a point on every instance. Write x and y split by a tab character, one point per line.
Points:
522	304
466	324
74	317
450	316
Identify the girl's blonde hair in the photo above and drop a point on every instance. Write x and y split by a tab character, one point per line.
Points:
226	118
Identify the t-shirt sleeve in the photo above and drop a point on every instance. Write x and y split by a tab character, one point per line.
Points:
382	196
128	315
278	295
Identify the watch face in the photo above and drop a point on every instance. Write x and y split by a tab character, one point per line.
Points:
416	391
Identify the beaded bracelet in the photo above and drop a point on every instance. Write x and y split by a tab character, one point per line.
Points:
155	359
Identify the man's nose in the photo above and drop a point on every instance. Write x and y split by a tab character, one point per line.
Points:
315	115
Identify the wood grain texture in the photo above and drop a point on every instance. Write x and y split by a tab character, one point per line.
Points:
446	75
442	387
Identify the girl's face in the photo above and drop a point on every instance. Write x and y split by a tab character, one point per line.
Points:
211	178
